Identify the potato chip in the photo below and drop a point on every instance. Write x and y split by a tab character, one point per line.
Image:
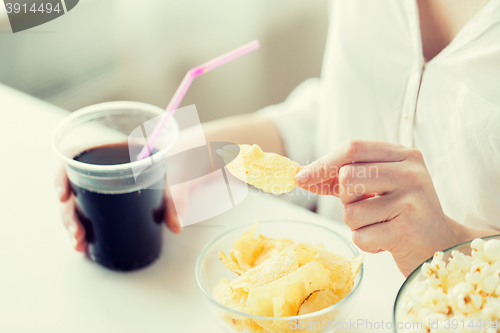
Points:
247	248
305	252
245	251
234	299
312	276
284	307
356	263
269	172
270	270
318	300
229	318
279	278
271	247
253	327
233	266
339	267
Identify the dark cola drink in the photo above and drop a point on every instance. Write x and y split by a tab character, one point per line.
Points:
123	230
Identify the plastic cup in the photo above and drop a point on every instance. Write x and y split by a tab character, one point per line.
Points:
121	204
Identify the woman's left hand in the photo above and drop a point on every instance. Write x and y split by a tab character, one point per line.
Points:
389	200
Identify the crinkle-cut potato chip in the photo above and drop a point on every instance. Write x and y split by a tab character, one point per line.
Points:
269	172
270	270
313	276
318	300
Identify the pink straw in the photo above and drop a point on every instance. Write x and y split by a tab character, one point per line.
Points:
186	83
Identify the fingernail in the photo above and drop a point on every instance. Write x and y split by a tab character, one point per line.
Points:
177	225
302	176
59	192
72	229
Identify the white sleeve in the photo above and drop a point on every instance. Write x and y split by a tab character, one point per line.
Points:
296	120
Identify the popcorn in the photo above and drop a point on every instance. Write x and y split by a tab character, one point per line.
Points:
469	303
491	250
477	246
487	284
435	300
462	298
453	278
435	270
467	288
479	266
473	277
458	262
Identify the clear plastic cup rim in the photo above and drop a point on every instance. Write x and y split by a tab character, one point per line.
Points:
161	154
305	316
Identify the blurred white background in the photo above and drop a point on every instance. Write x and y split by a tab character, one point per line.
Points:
106	50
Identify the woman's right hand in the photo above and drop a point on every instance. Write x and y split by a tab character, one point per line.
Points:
74	226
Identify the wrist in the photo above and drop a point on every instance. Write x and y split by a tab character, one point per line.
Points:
462	233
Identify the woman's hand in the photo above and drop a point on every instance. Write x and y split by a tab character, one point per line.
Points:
75	228
389	200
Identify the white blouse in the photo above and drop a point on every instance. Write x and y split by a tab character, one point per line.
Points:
375	85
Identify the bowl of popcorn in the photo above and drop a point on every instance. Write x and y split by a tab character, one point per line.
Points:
279	277
457	290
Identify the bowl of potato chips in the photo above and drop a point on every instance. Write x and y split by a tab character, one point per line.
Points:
457	290
279	277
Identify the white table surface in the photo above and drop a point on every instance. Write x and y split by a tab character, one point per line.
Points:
47	287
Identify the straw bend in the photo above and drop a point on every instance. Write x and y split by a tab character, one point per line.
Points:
184	87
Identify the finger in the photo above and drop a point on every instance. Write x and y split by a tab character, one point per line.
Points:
81	246
171	217
375	238
328	187
370	211
75	229
62	185
352	151
367	178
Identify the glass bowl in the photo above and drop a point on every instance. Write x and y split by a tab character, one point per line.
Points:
210	270
416	276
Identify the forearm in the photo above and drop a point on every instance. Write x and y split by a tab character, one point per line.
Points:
249	129
245	129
